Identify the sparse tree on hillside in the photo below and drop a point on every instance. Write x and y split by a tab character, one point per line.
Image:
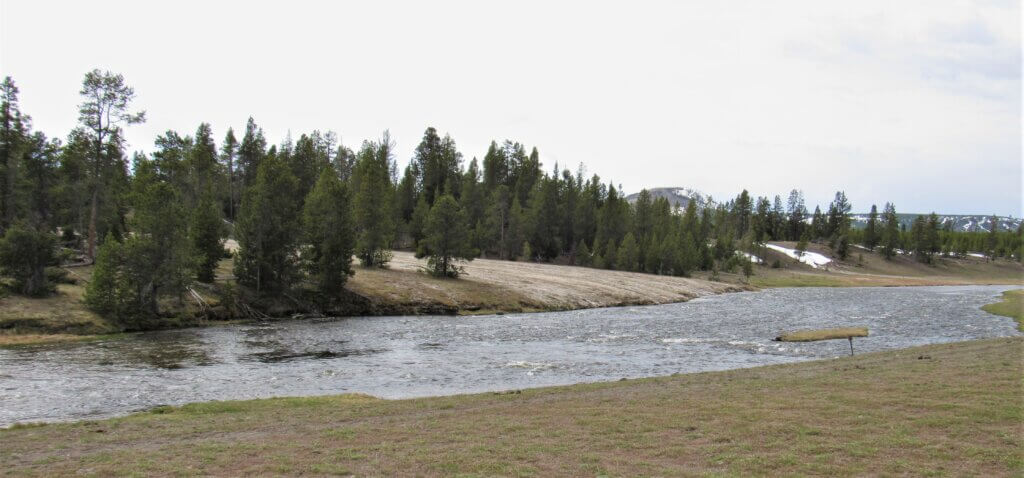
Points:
890	237
871	230
446	238
104	109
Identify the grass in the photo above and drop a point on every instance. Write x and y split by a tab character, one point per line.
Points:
823	334
951	409
1012	306
60	314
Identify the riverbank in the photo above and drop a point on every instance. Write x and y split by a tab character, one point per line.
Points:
1011	306
492	286
942	409
489	286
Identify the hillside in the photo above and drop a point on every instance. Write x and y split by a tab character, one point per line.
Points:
677	196
960	222
866	268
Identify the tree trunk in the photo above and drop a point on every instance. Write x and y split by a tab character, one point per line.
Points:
93	211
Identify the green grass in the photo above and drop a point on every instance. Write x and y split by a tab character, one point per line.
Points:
951	409
1012	306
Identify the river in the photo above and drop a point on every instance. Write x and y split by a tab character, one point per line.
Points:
398	357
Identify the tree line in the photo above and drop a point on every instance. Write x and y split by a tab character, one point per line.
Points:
155	225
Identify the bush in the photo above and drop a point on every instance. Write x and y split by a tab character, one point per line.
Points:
56	275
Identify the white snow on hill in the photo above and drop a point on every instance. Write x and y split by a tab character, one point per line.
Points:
752	258
812	259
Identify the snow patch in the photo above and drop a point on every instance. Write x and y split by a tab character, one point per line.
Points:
752	258
812	259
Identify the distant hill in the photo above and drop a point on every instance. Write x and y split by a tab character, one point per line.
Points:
676	195
961	222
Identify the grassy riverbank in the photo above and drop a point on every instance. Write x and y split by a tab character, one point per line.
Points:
1011	306
491	286
951	409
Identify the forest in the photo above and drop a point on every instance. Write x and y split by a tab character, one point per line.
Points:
303	210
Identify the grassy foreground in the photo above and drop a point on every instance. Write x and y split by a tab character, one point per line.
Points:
1012	306
952	409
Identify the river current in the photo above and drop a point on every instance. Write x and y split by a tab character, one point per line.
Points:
399	357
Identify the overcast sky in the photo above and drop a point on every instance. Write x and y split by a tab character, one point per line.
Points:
915	103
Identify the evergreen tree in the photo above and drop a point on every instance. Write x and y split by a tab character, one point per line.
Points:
871	236
446	238
13	138
797	213
527	252
498	216
761	225
418	221
819	227
890	237
992	241
778	222
103	110
742	211
545	219
628	255
583	257
267	230
206	233
372	202
228	152
327	223
24	255
102	292
251	152
801	246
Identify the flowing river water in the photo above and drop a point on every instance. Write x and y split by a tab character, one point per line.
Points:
398	357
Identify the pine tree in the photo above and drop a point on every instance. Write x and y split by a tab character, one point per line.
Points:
446	238
372	203
267	230
890	237
544	219
628	255
103	110
801	246
101	292
742	211
24	255
13	139
797	213
228	153
418	221
327	223
583	256
251	153
871	230
206	233
992	241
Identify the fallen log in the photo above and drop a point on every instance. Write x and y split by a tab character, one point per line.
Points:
823	334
